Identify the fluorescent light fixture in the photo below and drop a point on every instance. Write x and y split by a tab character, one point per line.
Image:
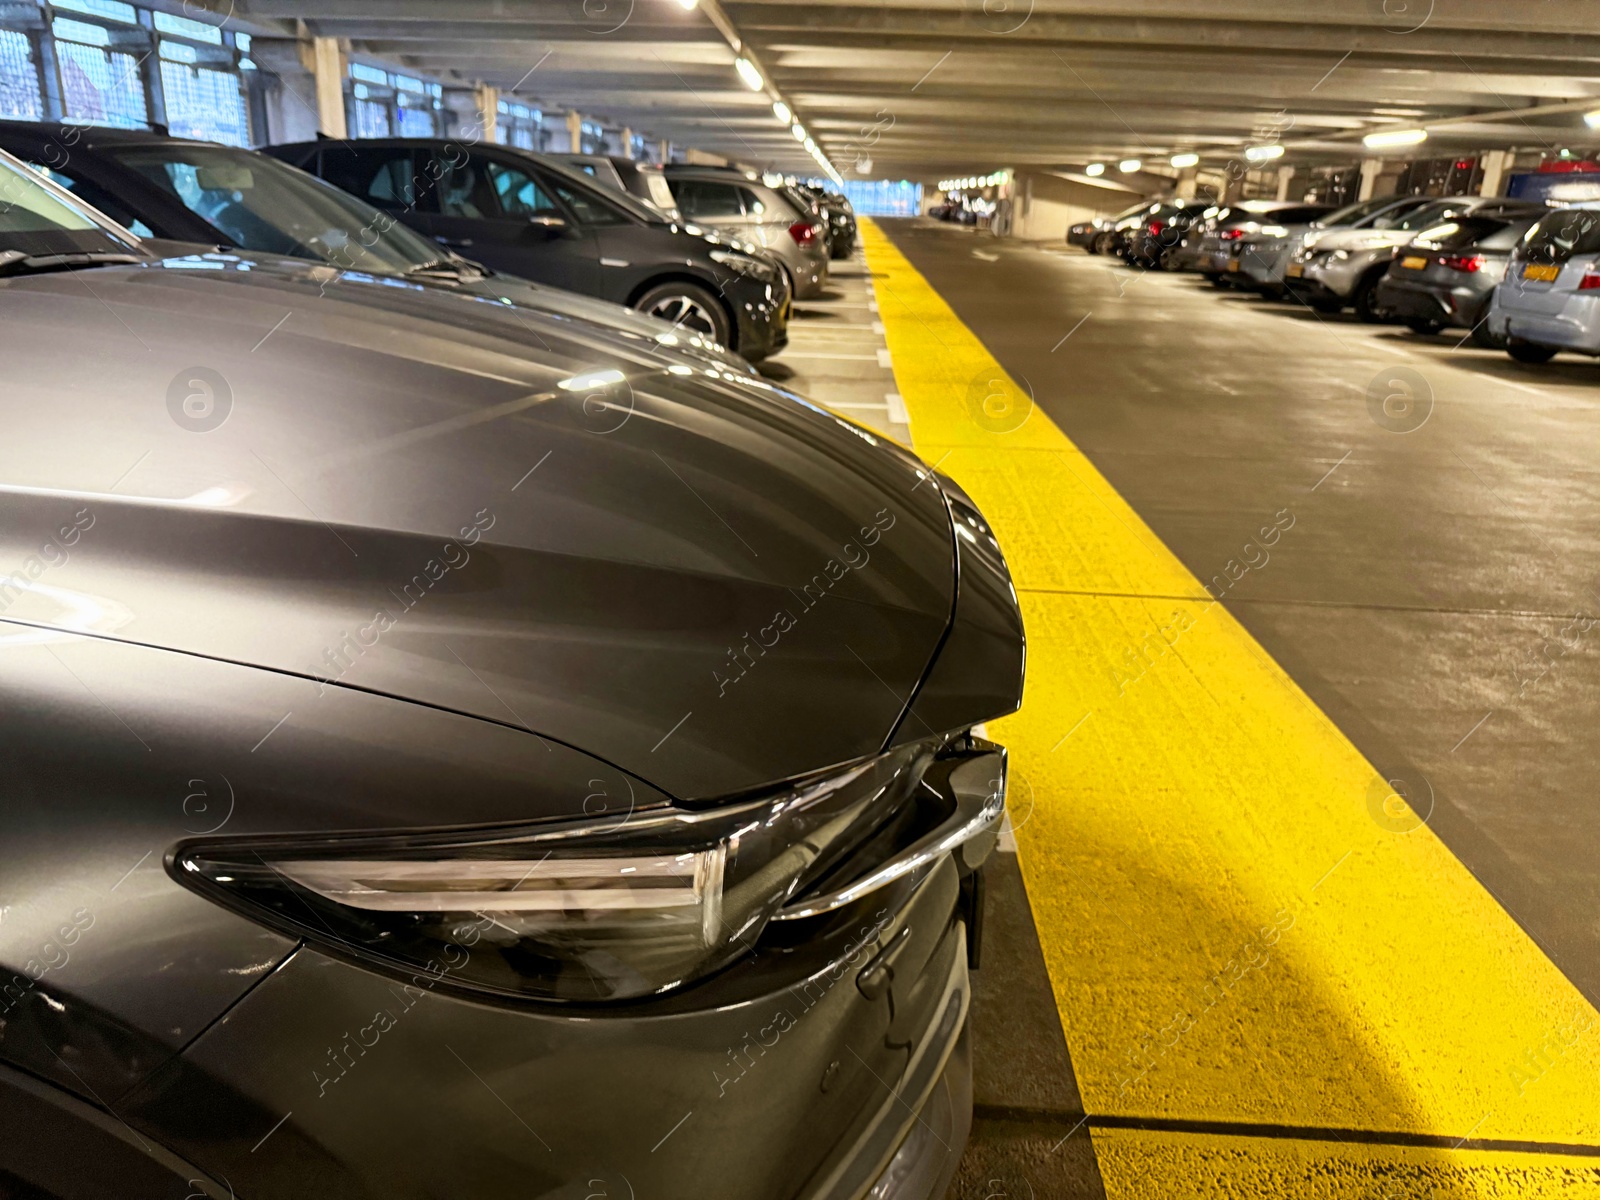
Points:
1095	169
781	111
1129	165
811	145
799	131
1263	153
748	73
1395	137
1592	119
1185	160
689	4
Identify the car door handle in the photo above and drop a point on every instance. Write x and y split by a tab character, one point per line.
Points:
454	242
980	794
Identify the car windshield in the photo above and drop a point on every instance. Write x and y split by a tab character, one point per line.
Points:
594	195
1351	213
39	220
1421	218
259	203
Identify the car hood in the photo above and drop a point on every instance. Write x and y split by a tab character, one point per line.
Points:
1362	239
687	572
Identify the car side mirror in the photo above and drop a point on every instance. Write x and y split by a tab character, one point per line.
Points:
551	227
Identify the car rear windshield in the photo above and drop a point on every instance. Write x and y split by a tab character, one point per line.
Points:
37	219
1464	231
1562	234
259	203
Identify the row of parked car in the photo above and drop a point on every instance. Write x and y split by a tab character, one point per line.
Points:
1519	276
708	249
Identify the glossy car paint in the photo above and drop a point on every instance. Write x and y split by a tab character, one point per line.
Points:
767	226
390	575
619	262
1558	313
1442	294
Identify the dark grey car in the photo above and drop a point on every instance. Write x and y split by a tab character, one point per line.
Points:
442	762
527	215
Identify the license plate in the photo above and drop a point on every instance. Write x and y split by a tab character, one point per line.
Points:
1413	262
1233	264
1296	270
1541	272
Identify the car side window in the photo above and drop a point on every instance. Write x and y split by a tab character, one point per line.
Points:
385	178
98	197
464	187
588	209
518	193
703	200
752	203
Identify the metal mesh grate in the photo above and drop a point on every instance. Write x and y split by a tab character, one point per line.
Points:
205	104
19	78
101	86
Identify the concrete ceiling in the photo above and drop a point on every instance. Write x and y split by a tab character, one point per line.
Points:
929	89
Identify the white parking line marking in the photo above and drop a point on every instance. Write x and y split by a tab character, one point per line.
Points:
883	360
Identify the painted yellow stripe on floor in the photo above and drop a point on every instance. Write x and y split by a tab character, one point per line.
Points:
1173	1166
1233	930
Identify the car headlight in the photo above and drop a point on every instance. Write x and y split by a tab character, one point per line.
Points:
585	911
745	264
1339	255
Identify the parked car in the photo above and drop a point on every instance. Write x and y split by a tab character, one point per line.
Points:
1097	234
733	204
320	890
198	193
808	204
1265	254
1156	241
524	214
1117	233
1446	275
1217	259
1550	298
841	219
1082	234
643	181
1343	267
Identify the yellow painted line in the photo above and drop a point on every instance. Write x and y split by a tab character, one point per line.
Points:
1157	1166
1240	923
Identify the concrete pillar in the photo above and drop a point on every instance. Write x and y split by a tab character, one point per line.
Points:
1285	182
464	115
665	150
627	142
575	132
488	101
1494	171
289	89
328	66
1370	169
1188	181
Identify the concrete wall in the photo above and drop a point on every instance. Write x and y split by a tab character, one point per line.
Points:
1047	204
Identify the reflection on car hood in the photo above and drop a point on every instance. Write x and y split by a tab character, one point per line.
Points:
687	572
1362	239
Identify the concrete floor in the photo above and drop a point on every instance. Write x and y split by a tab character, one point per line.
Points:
1431	605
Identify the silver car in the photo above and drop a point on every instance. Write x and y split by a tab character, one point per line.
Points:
731	202
641	180
1264	256
1343	267
1550	298
1229	225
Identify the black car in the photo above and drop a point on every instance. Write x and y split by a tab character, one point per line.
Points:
447	763
527	215
1155	241
1447	275
841	219
184	192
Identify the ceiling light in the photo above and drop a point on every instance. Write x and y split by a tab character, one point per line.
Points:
811	145
799	131
688	4
1263	153
1185	160
781	111
748	73
1129	165
1395	137
1592	119
1095	169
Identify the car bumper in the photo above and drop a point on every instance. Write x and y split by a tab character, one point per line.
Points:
819	1088
1579	333
761	316
1412	300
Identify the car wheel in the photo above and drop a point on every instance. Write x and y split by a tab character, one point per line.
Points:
1365	301
690	306
1327	304
1424	326
1529	352
1217	281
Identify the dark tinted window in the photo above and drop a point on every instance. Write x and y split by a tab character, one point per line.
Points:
586	206
700	199
1562	234
93	194
518	193
386	178
465	188
1303	215
1462	231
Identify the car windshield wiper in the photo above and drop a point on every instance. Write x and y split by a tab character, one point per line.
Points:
459	269
15	262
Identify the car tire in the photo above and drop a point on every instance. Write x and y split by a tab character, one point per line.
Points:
1217	281
1327	304
1365	300
1424	326
691	306
1529	352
